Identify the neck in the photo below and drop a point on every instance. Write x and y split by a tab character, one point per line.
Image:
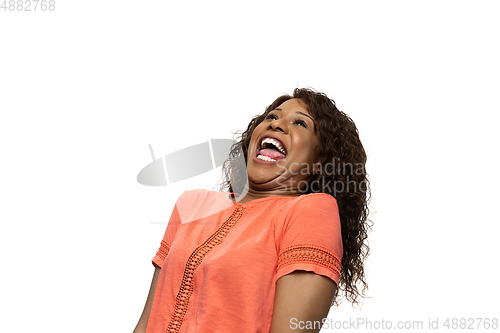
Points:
253	194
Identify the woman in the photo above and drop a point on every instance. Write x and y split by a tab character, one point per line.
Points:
272	254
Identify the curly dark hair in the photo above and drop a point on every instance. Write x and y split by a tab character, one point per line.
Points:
342	174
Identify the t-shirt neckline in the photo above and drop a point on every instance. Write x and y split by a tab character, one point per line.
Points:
256	201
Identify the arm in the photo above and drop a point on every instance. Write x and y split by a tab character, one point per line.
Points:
143	321
303	295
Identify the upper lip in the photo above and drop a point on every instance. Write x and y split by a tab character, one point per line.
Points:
274	137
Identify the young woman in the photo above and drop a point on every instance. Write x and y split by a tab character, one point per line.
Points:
272	253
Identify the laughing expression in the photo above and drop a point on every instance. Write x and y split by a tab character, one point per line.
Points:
282	149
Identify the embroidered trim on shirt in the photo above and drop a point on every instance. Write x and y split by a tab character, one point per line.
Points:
194	260
308	253
163	251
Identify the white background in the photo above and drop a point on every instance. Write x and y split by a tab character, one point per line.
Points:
85	88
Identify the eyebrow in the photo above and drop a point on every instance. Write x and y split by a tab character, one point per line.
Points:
302	113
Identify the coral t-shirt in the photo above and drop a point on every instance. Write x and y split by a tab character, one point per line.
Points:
220	260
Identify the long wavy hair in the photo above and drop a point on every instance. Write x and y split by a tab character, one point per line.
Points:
342	174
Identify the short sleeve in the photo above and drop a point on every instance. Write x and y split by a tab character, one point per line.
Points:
168	237
310	238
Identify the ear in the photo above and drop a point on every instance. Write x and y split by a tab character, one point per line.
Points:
316	167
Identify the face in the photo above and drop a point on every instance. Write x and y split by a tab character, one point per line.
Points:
282	149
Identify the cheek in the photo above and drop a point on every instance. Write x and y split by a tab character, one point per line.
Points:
252	142
256	133
306	142
252	145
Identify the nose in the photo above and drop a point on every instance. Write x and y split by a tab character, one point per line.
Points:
278	125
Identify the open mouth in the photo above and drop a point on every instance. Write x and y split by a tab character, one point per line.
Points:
271	149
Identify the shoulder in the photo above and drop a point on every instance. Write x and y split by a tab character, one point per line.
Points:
313	212
318	197
314	202
199	195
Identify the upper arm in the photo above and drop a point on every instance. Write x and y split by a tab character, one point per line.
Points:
301	296
143	321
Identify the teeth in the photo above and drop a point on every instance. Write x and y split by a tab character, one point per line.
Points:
265	158
274	142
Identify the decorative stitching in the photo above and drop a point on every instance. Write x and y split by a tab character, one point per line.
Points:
163	251
308	253
194	260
